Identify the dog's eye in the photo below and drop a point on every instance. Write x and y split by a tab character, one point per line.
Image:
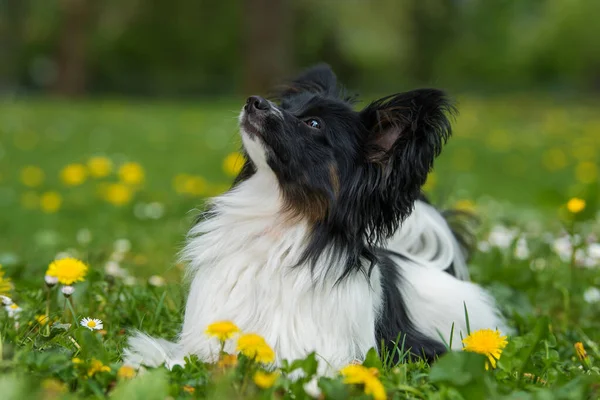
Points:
313	123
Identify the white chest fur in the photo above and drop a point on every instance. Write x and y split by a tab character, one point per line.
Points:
241	264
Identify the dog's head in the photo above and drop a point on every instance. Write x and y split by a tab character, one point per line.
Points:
357	173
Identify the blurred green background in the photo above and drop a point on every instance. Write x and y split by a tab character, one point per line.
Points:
119	117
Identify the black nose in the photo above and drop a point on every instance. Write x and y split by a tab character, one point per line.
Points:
256	102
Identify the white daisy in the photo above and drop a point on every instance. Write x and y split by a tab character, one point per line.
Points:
13	310
92	324
7	301
156	280
592	295
67	290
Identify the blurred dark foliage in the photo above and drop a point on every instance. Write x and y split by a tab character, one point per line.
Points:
209	47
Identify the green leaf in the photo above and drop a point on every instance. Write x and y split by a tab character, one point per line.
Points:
372	359
464	372
149	385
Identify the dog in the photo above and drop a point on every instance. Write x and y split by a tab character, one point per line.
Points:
325	242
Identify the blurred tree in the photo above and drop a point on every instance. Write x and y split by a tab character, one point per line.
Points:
11	34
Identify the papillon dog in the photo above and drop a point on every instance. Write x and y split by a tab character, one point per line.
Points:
325	242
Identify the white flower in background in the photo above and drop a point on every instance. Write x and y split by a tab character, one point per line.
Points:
122	245
156	280
522	250
592	295
502	237
7	301
13	310
483	246
92	324
84	236
112	268
155	210
130	280
50	280
538	264
593	251
67	290
563	247
117	257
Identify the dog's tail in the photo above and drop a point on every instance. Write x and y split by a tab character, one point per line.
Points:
143	350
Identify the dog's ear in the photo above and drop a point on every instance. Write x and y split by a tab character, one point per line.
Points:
319	79
407	130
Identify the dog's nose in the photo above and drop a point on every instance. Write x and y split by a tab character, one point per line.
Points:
256	103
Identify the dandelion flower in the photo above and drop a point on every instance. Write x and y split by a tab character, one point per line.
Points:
126	372
73	174
228	360
131	173
32	176
254	346
222	330
42	319
67	291
189	389
50	280
99	167
50	202
13	310
368	377
96	366
233	163
118	194
580	351
576	205
5	283
265	380
92	324
487	342
68	270
76	360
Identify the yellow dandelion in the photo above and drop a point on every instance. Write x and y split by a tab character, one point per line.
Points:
76	360
96	366
233	163
265	380
99	167
465	205
355	374
227	361
126	372
50	202
188	184
32	176
222	330
118	194
54	386
255	347
189	389
131	173
576	205
5	283
67	270
580	351
42	319
73	174
487	342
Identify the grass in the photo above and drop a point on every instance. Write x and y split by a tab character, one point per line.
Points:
516	160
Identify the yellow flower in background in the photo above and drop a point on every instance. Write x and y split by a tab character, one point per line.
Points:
118	194
254	346
131	173
67	270
42	319
32	176
5	283
76	360
54	387
126	372
189	184
50	202
554	159
465	205
233	163
228	360
96	366
73	174
576	205
265	380
586	172
99	167
222	330
580	351
360	375
487	342
189	389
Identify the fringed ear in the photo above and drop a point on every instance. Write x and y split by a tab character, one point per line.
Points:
412	125
319	79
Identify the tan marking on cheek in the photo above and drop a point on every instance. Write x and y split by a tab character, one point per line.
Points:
334	177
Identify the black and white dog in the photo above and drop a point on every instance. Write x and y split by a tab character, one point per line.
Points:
324	243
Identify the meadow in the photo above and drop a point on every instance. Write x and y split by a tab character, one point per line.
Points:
117	184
